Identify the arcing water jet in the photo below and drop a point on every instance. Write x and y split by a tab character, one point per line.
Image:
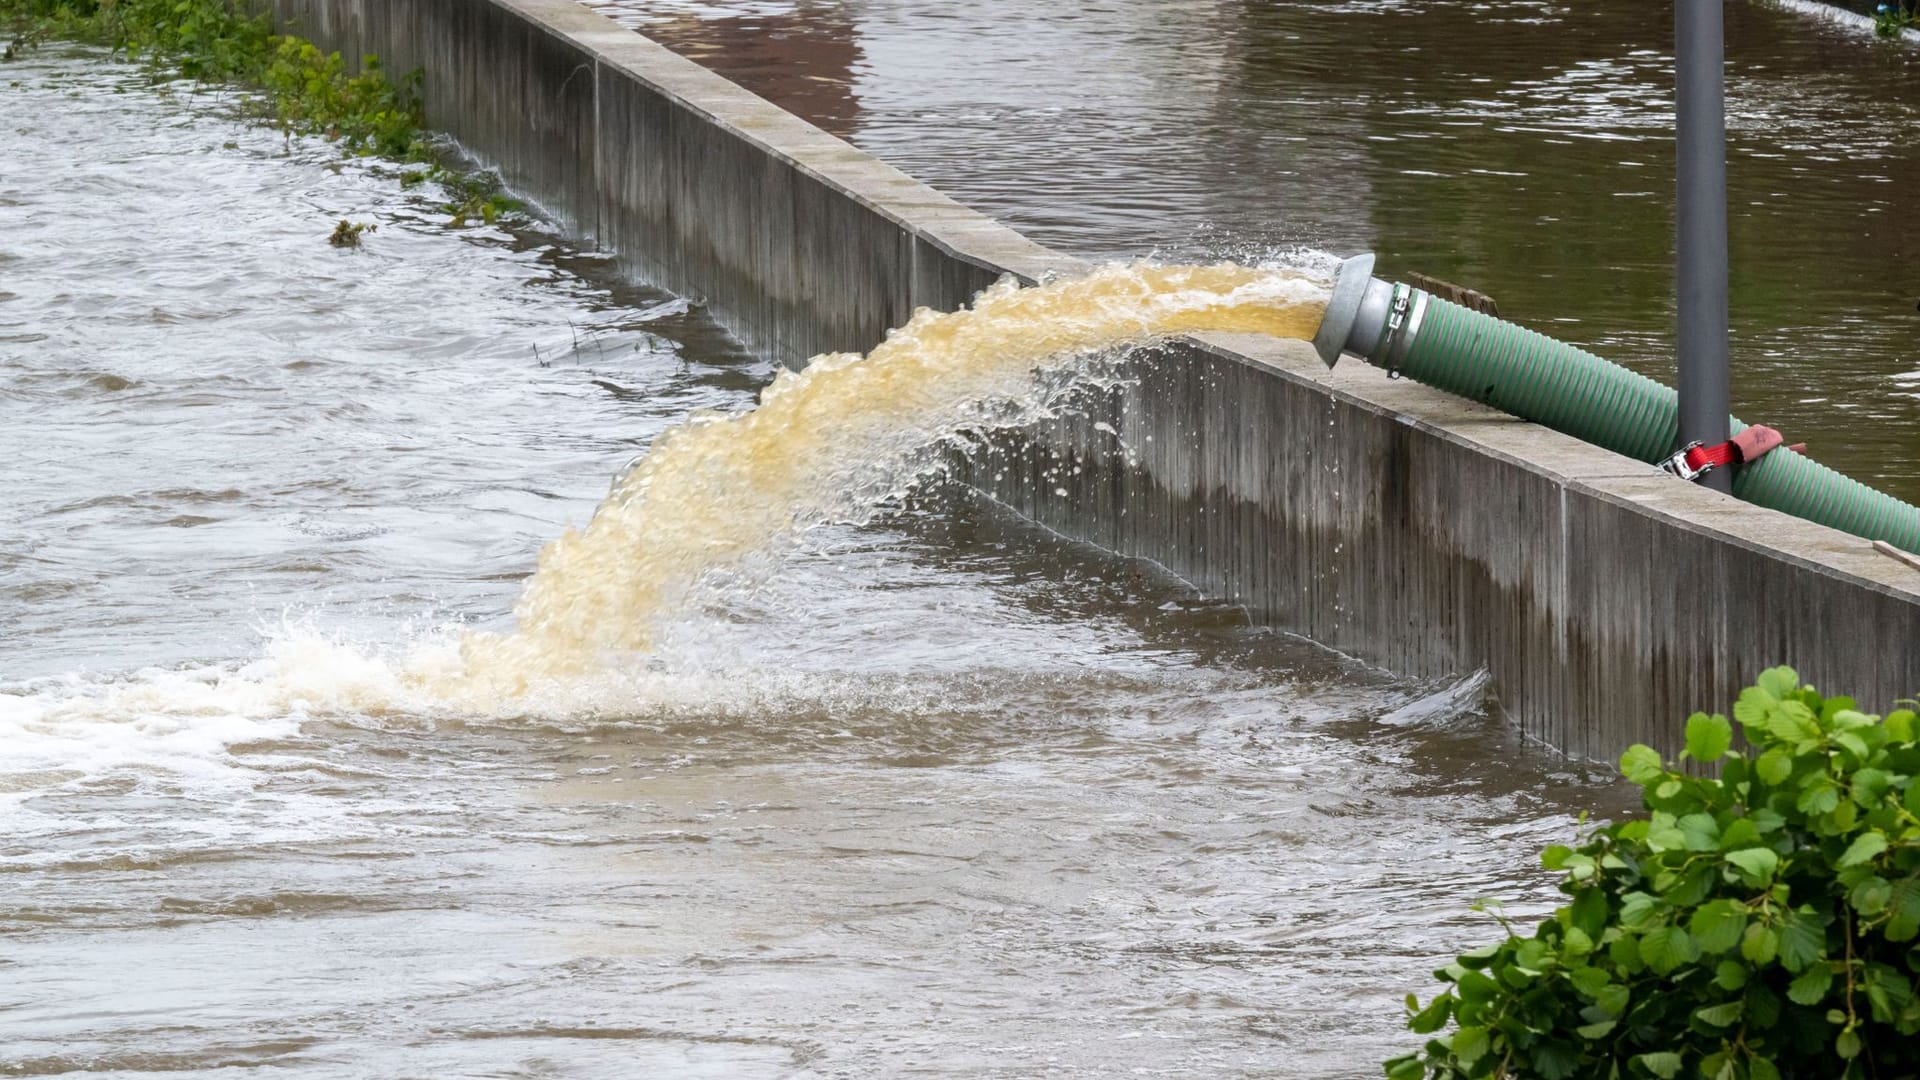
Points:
831	441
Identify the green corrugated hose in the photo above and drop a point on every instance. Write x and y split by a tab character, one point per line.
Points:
1556	385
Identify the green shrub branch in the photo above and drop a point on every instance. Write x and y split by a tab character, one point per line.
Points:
304	90
1755	925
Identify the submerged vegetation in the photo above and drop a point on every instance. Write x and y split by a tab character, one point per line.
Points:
1757	925
301	89
348	233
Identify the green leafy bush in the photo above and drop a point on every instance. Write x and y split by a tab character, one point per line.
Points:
1753	926
307	91
313	92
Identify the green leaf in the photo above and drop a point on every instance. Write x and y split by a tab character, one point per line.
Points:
1793	722
1638	910
1595	1031
1409	1067
1774	767
1760	944
1870	787
1665	948
1740	833
1810	986
1758	1068
1803	939
1625	954
1556	1060
1820	796
1901	726
1700	831
1580	867
1871	896
1470	1044
1905	905
1717	925
1888	990
1693	886
1588	912
1756	865
1708	737
1532	957
1641	764
1730	975
1779	681
1476	988
1841	820
1865	848
1853	743
1663	834
1555	856
1844	713
1664	1064
1432	1018
1847	1044
1589	981
1720	1015
1479	959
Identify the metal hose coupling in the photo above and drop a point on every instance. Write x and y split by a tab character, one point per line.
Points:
1369	318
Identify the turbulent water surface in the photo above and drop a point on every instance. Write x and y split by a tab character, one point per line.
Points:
939	794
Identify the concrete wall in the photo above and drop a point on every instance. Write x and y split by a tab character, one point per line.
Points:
1390	521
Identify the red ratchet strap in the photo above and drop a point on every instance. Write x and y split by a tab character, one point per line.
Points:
1694	460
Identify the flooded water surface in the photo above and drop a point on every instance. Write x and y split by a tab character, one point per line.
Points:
933	794
1521	148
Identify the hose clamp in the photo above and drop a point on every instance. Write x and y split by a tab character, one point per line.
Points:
1402	319
1408	330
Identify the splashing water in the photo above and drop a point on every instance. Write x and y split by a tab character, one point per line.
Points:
828	443
832	441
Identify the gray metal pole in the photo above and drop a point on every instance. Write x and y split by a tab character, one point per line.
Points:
1700	134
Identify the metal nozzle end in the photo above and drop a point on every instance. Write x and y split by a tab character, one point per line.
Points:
1349	289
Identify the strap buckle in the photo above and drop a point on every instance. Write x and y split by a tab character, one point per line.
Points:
1695	460
1682	465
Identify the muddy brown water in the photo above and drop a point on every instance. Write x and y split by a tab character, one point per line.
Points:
940	795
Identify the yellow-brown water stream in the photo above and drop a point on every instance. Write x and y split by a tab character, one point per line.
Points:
829	441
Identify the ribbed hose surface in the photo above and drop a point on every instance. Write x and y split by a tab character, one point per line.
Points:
1556	385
